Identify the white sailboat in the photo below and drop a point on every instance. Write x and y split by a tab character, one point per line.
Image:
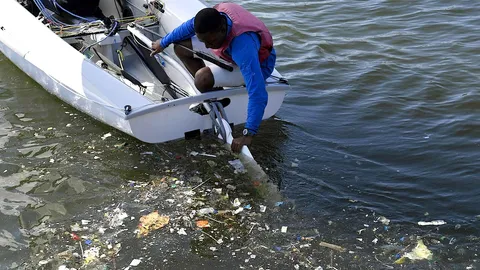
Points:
111	77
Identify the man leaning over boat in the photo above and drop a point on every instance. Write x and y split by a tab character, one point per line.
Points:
234	34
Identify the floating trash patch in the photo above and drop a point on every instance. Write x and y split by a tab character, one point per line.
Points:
200	211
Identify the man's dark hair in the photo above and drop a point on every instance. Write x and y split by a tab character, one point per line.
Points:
207	20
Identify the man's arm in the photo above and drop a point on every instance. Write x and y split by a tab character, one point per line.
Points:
184	31
244	51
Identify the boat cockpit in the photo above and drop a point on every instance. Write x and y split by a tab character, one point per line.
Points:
116	37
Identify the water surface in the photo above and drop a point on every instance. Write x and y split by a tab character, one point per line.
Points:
382	120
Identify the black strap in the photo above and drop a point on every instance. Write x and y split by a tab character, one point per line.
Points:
118	70
153	65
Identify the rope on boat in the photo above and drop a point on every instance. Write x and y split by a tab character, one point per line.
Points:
82	27
114	28
46	13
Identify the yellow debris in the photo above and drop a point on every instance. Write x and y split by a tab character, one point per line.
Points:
420	252
151	222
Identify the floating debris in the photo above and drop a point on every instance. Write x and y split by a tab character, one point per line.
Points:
116	218
85	222
238	211
212	163
135	262
206	211
420	252
75	237
207	155
332	246
202	223
384	220
91	255
120	145
236	202
106	136
75	227
151	222
43	262
432	223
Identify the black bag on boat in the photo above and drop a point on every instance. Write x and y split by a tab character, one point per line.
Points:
66	8
30	6
84	8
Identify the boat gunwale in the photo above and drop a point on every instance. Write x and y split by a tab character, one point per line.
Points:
272	87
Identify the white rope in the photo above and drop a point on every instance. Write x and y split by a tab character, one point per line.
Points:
140	43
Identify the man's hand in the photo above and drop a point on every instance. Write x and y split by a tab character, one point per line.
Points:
156	47
239	142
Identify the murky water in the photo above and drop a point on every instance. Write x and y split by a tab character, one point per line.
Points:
382	120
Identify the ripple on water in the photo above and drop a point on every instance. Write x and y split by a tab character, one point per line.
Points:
13	200
38	151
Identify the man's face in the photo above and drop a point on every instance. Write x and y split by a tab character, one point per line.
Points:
213	40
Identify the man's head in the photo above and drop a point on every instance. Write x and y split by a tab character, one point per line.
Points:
210	27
